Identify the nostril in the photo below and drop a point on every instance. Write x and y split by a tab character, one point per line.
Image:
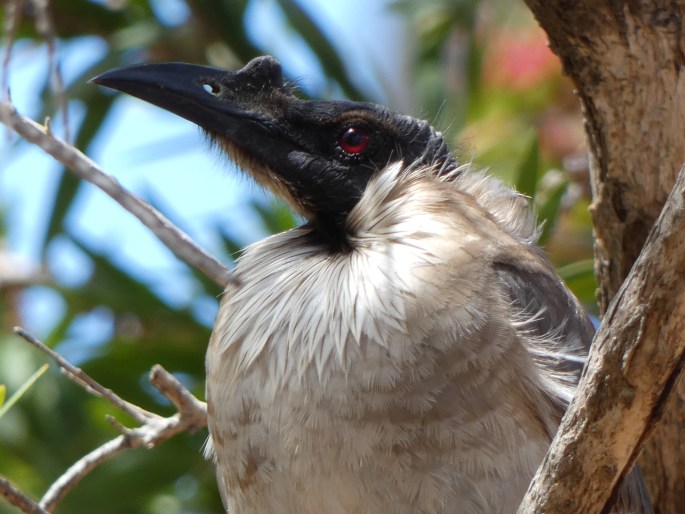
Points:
212	89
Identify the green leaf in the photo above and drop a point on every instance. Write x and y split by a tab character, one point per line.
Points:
21	391
549	211
231	245
580	278
527	173
224	20
319	43
3	393
577	270
276	217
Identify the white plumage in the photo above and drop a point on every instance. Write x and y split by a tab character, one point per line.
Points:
392	378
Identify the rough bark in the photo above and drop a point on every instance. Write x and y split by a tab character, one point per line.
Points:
626	60
636	358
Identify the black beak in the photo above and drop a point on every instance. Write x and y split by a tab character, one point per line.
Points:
196	93
243	111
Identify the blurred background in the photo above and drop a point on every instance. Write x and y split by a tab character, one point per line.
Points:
82	274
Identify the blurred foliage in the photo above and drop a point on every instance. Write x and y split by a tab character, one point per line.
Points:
480	70
4	407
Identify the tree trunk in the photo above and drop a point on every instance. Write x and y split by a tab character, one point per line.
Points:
625	59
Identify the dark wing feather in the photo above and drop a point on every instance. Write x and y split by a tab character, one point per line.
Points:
538	293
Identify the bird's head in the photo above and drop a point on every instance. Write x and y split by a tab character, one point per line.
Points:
317	155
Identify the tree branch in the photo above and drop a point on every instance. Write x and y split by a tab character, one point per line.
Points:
169	386
15	497
83	167
153	429
634	362
77	471
626	62
84	380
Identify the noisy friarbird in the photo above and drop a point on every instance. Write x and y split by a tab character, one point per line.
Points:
409	349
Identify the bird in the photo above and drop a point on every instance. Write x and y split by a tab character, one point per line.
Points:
409	348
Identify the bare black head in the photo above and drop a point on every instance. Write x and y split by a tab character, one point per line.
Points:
317	155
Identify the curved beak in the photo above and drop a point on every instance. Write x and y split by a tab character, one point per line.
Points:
188	90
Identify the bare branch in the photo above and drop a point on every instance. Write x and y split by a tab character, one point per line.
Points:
169	386
153	429
175	239
46	29
85	381
634	362
72	476
15	497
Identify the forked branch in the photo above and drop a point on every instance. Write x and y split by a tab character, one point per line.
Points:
635	360
152	430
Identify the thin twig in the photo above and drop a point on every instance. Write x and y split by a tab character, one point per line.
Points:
46	29
169	386
77	471
153	429
84	380
15	497
175	239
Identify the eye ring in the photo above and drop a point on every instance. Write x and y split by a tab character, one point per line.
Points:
353	140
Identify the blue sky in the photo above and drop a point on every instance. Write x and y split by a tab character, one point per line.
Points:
160	156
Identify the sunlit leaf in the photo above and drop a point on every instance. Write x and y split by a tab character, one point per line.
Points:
276	217
580	278
4	407
225	20
319	43
576	270
549	211
527	173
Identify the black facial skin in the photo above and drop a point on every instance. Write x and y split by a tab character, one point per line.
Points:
318	155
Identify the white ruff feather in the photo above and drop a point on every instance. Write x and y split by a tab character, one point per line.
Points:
387	379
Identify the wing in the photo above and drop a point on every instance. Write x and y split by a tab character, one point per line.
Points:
560	334
550	321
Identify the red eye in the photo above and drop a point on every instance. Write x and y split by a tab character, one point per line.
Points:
354	140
